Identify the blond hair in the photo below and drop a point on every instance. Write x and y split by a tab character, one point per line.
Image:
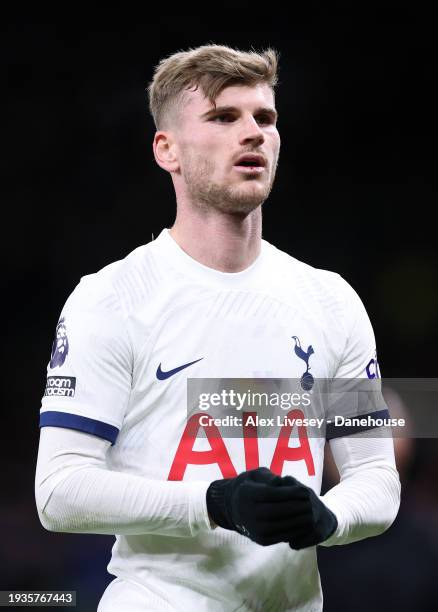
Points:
210	67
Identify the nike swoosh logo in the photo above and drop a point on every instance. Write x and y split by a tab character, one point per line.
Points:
163	375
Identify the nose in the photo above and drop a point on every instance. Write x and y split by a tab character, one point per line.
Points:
251	132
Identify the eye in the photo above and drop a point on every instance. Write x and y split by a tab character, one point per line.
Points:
225	116
264	119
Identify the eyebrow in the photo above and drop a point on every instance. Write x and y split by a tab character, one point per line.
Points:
232	109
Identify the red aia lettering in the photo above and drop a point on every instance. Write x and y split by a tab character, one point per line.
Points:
185	455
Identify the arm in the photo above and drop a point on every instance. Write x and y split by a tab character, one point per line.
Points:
367	499
75	489
76	492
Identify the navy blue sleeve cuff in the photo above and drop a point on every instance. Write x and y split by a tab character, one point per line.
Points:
339	431
73	421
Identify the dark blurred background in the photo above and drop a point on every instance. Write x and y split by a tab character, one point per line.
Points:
355	193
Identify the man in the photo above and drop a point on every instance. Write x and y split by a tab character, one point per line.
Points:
216	523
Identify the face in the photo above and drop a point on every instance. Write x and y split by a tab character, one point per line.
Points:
209	144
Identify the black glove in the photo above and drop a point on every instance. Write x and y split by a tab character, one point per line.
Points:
259	505
314	522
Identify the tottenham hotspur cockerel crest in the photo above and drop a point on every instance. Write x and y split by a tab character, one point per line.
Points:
307	380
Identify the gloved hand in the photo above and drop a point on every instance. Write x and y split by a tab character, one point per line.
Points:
314	522
260	505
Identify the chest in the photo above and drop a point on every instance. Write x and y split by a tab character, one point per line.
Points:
253	336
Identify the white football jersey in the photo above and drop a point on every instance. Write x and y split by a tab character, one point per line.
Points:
128	339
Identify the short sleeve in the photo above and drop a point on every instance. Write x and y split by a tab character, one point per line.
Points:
89	375
355	391
359	357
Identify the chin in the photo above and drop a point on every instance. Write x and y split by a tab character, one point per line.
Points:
242	205
240	199
251	197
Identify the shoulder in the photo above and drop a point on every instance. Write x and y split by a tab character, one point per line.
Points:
117	287
325	287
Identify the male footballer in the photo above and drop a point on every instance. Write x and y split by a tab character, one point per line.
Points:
203	521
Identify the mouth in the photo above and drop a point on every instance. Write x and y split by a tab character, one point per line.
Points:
249	169
250	164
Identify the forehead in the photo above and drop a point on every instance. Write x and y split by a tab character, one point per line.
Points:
243	97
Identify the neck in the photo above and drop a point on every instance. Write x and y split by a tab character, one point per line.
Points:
225	242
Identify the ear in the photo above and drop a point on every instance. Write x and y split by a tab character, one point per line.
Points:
165	151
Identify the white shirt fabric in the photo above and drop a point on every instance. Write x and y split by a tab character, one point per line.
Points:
112	432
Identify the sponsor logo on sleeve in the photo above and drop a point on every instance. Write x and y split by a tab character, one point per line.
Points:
372	368
60	385
60	345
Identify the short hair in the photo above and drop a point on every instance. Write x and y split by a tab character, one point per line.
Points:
210	67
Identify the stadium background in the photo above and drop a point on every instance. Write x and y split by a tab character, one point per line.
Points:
354	193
